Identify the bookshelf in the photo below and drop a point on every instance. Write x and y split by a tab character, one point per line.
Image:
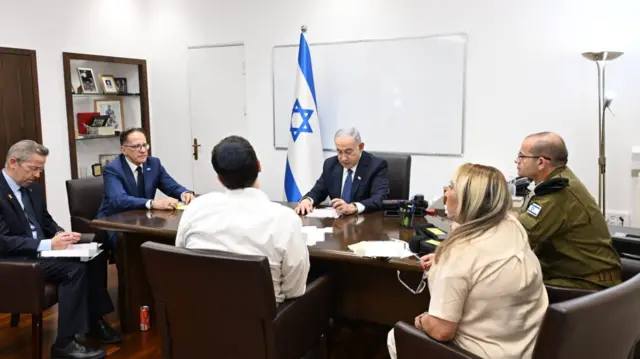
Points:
114	87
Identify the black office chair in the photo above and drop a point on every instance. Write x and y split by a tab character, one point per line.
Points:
399	174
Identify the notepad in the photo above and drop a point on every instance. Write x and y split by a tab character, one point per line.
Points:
323	213
387	249
181	206
84	251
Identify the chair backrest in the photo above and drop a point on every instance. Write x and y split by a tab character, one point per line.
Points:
211	303
605	324
561	294
630	267
84	196
399	174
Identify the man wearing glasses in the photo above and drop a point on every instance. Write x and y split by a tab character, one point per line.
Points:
566	228
131	180
26	229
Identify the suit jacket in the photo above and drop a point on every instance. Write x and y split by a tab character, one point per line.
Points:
370	182
121	191
16	239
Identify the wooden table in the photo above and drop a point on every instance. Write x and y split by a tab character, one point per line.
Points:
365	289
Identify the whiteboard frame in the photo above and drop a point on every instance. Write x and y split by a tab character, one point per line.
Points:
464	86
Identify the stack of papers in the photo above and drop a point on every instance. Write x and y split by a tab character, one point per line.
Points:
323	213
314	234
84	251
388	249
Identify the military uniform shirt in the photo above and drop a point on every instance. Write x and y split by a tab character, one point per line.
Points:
570	235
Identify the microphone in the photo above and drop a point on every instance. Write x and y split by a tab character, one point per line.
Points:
391	206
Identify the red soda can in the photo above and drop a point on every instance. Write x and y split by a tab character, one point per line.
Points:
144	318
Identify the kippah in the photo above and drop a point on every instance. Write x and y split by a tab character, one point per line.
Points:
231	156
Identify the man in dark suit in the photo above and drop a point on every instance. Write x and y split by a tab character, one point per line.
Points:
26	228
131	180
355	180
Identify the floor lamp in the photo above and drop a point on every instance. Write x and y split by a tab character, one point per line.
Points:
601	59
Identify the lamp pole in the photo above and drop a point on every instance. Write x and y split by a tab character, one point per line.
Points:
601	59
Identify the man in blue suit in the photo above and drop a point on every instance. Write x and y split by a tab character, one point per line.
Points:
355	180
131	180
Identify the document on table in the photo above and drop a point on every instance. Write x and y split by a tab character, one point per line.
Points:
323	213
393	248
84	251
314	234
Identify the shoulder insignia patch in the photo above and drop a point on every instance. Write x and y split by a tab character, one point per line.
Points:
534	209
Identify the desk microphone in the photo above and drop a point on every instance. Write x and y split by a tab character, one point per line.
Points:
391	206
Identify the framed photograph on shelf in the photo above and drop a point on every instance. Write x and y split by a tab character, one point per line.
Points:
87	80
105	159
121	84
109	84
113	109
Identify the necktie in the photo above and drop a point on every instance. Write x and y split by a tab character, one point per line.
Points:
346	190
30	213
140	179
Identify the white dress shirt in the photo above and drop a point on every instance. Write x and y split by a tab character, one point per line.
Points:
246	222
345	173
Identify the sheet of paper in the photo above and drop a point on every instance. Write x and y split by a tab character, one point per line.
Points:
85	251
390	249
314	234
323	213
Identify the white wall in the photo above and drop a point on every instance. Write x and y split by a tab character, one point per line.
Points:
101	27
525	74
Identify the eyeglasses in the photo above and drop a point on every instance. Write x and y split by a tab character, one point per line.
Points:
421	286
139	146
34	169
521	156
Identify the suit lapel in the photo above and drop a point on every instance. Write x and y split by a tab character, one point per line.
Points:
128	175
146	172
337	183
7	193
362	168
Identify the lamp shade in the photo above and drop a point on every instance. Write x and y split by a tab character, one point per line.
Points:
602	55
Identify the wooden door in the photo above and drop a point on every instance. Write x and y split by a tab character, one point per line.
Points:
19	100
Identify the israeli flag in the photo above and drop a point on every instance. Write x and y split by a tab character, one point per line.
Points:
304	155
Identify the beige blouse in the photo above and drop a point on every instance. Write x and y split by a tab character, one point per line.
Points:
492	287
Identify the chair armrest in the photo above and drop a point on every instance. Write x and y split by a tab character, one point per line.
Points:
81	225
87	237
415	343
25	281
560	294
300	322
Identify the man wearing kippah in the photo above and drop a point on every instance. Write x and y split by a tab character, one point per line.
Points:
243	220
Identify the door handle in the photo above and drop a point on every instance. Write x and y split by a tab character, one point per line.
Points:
195	148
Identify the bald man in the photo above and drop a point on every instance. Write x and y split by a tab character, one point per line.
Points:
566	228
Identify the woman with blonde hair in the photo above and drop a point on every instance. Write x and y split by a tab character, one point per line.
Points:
485	281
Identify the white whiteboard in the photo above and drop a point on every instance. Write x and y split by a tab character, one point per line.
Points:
404	95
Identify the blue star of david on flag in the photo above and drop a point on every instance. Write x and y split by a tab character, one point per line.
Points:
305	114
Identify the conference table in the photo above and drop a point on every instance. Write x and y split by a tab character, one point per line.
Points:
364	289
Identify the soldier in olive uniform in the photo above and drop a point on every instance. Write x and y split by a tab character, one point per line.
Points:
565	225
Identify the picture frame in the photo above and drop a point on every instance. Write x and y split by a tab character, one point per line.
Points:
105	159
87	80
113	109
109	84
121	85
